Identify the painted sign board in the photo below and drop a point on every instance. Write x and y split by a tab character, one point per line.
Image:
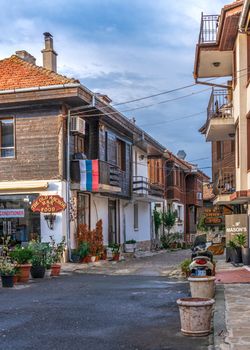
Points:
236	223
49	204
213	216
11	213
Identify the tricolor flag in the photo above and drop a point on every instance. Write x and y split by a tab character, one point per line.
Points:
89	175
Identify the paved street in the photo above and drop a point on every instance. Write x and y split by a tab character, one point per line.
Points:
163	263
79	311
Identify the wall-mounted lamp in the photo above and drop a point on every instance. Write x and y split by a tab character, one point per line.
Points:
50	219
141	157
216	64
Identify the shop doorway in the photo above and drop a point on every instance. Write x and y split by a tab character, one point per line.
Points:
112	220
17	219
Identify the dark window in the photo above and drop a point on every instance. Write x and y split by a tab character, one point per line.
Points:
219	150
232	146
83	209
7	139
136	218
78	144
121	154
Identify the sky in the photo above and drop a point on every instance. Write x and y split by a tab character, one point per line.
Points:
127	50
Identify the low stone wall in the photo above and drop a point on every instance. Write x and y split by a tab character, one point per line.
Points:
143	245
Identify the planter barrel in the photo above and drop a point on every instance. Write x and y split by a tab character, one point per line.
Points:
195	315
130	247
236	256
245	256
24	273
7	281
37	271
55	269
202	287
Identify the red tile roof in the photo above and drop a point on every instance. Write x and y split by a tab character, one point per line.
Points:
16	73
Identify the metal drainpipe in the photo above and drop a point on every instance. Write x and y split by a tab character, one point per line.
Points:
68	187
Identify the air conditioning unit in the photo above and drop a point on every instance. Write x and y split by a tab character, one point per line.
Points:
77	125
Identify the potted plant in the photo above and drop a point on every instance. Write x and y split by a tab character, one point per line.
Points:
38	260
7	271
115	248
57	250
83	251
75	256
130	246
185	267
235	251
22	256
241	240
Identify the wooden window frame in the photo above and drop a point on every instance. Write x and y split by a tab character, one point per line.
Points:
14	137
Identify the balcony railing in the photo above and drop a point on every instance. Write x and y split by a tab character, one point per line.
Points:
224	182
219	105
208	29
109	174
140	185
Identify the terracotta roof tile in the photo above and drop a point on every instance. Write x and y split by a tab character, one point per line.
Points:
16	73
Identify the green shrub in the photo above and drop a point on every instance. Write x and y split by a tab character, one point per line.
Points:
21	255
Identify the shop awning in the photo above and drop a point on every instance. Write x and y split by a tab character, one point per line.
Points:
23	186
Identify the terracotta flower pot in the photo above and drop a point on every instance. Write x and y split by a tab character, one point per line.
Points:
86	259
202	287
24	273
55	269
195	315
116	256
15	279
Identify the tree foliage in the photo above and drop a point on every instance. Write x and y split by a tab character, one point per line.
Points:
168	219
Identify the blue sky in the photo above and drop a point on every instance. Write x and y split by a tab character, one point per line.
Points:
126	49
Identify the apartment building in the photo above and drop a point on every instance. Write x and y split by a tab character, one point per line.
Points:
223	51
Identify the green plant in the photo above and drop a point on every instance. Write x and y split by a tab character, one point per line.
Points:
167	240
57	249
185	265
83	249
232	244
21	255
114	247
131	241
157	220
201	226
6	268
168	219
240	240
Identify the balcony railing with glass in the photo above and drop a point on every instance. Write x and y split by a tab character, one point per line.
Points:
219	105
208	29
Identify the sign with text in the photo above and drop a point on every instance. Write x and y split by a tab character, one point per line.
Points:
11	213
213	216
49	204
235	224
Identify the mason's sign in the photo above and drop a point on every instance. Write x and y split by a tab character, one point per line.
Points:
235	224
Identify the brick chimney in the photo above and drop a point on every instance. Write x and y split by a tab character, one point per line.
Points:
49	55
24	55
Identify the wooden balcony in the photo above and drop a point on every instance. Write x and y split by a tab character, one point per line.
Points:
220	123
111	178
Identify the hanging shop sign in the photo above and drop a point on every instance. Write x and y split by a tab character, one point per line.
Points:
11	213
49	204
213	216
